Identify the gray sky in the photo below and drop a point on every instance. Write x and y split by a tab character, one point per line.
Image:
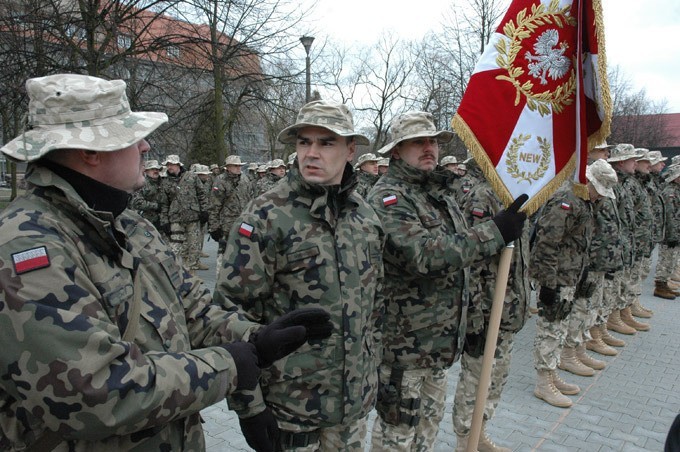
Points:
642	38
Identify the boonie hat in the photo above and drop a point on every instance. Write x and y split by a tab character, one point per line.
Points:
320	113
675	159
152	164
262	169
603	177
214	166
276	163
672	173
233	160
414	124
643	154
449	159
363	158
621	152
656	157
384	162
252	166
172	159
71	111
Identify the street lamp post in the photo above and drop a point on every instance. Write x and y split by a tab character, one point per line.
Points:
307	43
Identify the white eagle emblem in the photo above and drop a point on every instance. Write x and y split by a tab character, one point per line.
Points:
548	61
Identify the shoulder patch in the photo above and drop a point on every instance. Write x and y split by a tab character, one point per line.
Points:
478	212
246	230
565	206
389	200
33	259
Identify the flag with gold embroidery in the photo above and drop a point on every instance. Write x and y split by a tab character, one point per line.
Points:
538	95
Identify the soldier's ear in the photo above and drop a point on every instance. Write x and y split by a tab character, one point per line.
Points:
90	158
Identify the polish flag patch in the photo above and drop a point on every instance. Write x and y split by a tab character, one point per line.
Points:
389	200
33	259
246	230
565	206
477	212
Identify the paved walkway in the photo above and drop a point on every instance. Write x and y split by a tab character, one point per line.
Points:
629	406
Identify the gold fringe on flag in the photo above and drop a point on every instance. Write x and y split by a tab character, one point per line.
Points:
605	95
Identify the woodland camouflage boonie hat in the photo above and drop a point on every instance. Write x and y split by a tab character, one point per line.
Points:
603	177
71	111
320	113
415	124
621	152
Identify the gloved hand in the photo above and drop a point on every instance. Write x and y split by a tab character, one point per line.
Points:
217	234
247	370
203	217
285	334
261	431
165	228
547	296
509	221
672	244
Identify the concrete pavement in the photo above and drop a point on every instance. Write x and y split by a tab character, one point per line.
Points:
628	406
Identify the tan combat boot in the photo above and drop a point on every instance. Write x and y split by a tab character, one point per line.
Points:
662	290
546	390
597	345
486	445
588	360
640	311
615	323
202	266
629	320
562	386
570	363
609	339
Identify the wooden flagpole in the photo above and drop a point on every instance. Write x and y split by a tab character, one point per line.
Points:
490	347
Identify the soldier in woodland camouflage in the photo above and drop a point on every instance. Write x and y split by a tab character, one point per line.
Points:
147	200
367	171
480	204
108	343
312	241
427	252
671	243
274	172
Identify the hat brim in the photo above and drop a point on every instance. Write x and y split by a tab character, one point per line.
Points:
621	158
443	136
602	190
289	135
104	135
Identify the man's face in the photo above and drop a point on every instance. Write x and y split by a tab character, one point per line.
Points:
215	171
419	152
125	167
173	168
279	171
627	166
657	167
593	193
382	169
153	173
643	166
234	169
322	155
370	167
453	167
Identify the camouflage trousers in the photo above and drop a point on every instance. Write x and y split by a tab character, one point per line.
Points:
178	239
468	380
666	263
345	437
624	279
584	312
632	286
550	336
428	385
611	291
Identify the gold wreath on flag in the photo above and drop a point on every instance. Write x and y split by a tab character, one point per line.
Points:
513	153
507	53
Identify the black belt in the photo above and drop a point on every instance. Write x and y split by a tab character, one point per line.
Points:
298	439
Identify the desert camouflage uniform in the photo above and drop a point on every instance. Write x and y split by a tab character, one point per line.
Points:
266	183
558	258
366	182
187	200
667	255
65	367
427	252
478	205
313	245
147	201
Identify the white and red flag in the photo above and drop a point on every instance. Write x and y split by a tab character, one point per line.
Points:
537	96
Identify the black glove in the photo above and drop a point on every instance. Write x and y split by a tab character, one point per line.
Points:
203	217
217	234
509	221
245	357
261	431
548	303
547	296
285	334
165	228
672	243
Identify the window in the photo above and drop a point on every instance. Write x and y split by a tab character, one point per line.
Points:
173	52
74	31
124	41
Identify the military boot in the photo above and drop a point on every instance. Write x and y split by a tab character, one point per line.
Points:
609	339
562	386
486	445
461	443
588	360
615	323
570	363
597	345
640	311
201	266
662	290
629	320
546	390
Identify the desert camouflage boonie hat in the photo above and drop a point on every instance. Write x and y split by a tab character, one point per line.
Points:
214	166
384	162
603	177
448	160
173	159
276	163
643	154
234	160
415	124
71	111
320	113
368	157
262	168
202	169
656	157
672	172
621	152
152	164
253	166
675	159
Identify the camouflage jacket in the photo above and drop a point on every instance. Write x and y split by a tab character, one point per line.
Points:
185	199
427	252
147	201
563	235
228	198
479	205
642	207
671	193
652	184
366	181
310	245
606	252
67	275
626	211
266	183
